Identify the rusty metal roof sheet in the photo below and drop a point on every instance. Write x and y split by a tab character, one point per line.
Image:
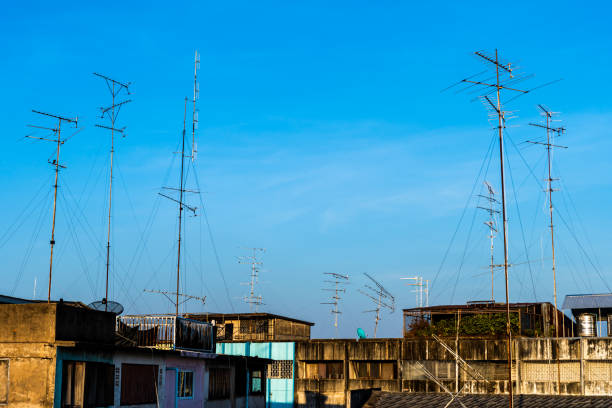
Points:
594	301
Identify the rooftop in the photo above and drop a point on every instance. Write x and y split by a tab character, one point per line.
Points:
591	301
242	316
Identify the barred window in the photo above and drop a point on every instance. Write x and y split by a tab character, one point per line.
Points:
280	369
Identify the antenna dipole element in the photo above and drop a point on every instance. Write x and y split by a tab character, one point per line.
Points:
381	297
254	301
111	112
492	224
57	132
337	281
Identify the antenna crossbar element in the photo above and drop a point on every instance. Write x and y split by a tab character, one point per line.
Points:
377	295
112	112
253	300
55	163
186	297
492	224
196	93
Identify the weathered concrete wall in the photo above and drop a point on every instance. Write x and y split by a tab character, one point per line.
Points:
31	323
30	374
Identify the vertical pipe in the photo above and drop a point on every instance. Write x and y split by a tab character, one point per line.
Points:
52	242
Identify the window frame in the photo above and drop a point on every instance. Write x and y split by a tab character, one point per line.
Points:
8	380
179	373
261	377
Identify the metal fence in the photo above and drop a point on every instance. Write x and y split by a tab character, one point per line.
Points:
165	332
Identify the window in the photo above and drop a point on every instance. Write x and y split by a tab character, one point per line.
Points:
219	383
256	382
332	370
281	369
138	384
73	383
383	370
229	331
99	390
4	381
185	384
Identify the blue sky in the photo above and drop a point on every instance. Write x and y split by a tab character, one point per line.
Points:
323	137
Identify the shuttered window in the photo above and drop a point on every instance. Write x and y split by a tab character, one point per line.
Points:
138	384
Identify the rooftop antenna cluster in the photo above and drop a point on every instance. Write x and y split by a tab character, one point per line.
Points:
381	297
254	301
492	224
500	78
551	132
337	281
56	138
421	287
111	112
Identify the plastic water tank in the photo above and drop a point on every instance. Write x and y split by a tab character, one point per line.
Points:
587	325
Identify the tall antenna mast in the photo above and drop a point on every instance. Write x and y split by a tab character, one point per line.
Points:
381	297
492	229
254	301
549	146
181	204
111	112
57	132
504	77
196	93
337	283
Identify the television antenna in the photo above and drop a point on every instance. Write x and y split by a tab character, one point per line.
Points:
381	297
503	79
111	112
181	190
176	295
492	224
337	281
421	287
57	139
254	301
551	132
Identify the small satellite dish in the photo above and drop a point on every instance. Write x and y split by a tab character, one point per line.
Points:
361	334
108	306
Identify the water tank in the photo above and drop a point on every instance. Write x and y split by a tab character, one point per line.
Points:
587	325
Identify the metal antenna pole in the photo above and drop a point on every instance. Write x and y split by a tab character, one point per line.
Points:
337	289
55	163
196	91
180	207
548	114
115	87
492	230
489	88
254	301
381	297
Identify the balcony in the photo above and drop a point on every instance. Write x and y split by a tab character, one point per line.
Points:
164	332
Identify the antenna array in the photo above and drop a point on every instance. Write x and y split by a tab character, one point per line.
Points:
381	297
254	301
57	134
196	94
111	112
492	224
337	288
421	287
551	131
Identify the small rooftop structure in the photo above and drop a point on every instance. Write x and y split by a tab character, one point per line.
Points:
600	304
255	326
485	319
166	332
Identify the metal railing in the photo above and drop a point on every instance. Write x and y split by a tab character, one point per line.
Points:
164	332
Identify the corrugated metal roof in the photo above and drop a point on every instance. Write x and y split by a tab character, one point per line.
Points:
594	301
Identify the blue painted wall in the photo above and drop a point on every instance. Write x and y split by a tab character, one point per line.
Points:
279	390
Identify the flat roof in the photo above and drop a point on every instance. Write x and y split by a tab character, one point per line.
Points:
473	306
243	316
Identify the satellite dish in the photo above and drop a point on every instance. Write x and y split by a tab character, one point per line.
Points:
108	306
361	334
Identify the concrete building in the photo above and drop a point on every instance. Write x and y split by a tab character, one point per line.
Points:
64	354
267	336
